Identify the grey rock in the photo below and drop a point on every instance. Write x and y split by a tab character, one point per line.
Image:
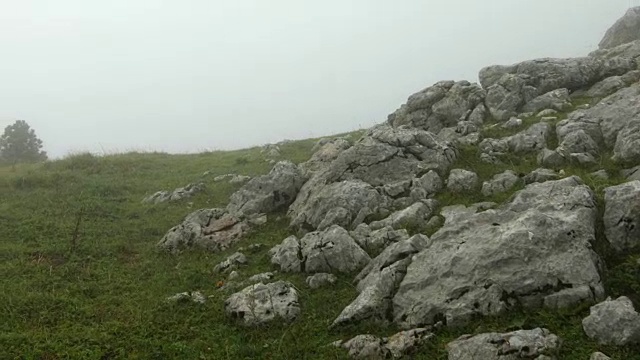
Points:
556	99
175	195
600	174
374	241
540	175
355	180
331	250
440	106
500	183
509	88
209	229
461	180
522	252
530	140
625	30
599	356
321	279
547	113
233	275
287	255
262	303
529	344
371	347
413	217
613	322
193	296
268	193
512	123
426	186
378	281
622	215
324	152
231	263
612	84
632	174
584	159
579	142
551	159
239	179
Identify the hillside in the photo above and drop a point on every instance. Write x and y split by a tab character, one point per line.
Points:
513	204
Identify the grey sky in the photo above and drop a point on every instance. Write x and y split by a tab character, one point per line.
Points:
193	75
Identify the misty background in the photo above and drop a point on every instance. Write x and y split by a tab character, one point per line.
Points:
190	76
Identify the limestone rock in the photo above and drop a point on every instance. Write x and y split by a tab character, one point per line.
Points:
613	322
268	193
500	183
374	241
194	296
625	30
524	252
175	195
540	175
262	303
413	217
371	347
461	180
622	215
529	344
357	181
599	356
331	250
320	279
231	263
440	106
556	99
612	84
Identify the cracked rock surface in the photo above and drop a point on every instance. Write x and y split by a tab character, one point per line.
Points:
520	344
533	251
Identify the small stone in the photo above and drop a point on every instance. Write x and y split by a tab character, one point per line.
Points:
321	279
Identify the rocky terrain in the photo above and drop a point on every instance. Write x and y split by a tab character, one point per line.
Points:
470	201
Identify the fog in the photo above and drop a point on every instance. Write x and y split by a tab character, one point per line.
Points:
195	75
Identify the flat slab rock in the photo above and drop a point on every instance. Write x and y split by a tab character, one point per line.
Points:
527	344
262	303
534	251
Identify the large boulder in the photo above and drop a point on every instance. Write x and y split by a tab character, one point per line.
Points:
440	106
520	344
613	123
622	215
332	250
268	193
533	251
613	322
364	181
625	30
262	303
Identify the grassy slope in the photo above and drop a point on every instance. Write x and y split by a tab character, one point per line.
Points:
102	294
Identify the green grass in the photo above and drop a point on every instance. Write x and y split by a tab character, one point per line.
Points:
96	288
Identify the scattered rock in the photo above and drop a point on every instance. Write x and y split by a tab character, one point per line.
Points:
461	180
632	174
194	296
547	113
540	175
262	303
512	123
374	241
500	183
622	215
231	263
556	99
371	347
175	195
321	279
413	217
600	174
529	344
613	322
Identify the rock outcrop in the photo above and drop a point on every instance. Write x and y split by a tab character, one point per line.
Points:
625	30
533	251
622	215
